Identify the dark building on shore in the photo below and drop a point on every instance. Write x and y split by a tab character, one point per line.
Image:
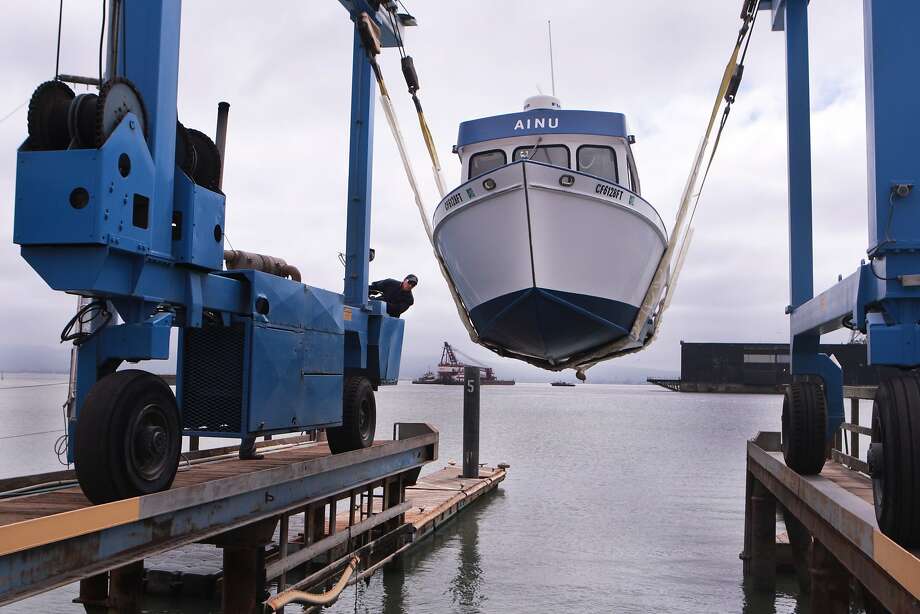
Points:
760	367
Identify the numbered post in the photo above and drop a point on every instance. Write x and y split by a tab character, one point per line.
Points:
471	422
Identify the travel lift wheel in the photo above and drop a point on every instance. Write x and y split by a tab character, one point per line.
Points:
894	458
127	439
804	426
359	417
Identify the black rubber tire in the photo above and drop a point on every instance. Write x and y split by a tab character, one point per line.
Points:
896	479
359	417
112	460
804	427
207	160
47	116
185	153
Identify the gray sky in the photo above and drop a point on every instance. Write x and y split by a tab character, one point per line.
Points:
285	68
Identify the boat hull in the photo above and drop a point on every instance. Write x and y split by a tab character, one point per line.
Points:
549	262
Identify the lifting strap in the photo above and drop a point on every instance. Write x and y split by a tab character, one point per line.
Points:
660	291
658	296
393	122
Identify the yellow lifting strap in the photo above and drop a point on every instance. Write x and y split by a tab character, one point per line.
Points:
432	151
664	282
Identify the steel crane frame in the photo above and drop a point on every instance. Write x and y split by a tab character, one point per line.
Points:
149	242
882	297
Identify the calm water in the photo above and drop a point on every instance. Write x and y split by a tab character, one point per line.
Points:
619	499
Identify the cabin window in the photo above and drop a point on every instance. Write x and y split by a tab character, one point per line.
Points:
486	161
598	161
557	155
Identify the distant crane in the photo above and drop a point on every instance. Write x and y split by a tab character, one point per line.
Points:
450	370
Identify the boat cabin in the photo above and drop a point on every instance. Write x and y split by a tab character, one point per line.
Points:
591	142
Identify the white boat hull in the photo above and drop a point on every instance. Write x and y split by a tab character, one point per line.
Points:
548	270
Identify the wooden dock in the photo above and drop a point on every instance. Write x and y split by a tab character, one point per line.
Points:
832	532
50	534
438	497
430	502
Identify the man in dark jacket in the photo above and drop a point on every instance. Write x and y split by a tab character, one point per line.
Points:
396	294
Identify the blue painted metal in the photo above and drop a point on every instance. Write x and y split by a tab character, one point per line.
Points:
360	169
804	357
875	299
542	121
151	245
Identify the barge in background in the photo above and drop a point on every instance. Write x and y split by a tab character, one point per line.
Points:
760	368
450	371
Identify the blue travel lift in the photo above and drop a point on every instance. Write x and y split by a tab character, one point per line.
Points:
118	202
882	298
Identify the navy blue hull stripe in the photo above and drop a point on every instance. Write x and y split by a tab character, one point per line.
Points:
551	324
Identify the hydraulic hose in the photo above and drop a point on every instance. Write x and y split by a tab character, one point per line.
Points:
328	598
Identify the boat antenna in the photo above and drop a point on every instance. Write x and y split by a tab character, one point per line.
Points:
552	69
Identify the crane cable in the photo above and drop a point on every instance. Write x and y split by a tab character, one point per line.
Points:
386	102
661	290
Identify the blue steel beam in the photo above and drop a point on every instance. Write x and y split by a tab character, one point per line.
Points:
181	516
792	15
154	45
892	130
798	134
360	169
825	313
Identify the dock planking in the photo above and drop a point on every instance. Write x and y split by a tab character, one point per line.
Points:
28	507
436	497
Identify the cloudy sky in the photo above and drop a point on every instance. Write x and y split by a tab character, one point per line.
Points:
285	69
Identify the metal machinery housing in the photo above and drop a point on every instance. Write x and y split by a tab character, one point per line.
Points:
123	223
882	298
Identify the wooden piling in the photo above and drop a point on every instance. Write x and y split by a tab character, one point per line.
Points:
244	579
94	593
800	543
830	582
244	582
471	422
763	538
126	585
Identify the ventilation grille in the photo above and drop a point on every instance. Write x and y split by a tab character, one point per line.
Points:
212	379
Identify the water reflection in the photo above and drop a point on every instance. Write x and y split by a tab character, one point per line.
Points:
786	599
466	585
460	571
394	587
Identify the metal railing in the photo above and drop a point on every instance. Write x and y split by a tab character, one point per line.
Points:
845	450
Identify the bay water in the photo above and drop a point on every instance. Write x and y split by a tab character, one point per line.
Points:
619	498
